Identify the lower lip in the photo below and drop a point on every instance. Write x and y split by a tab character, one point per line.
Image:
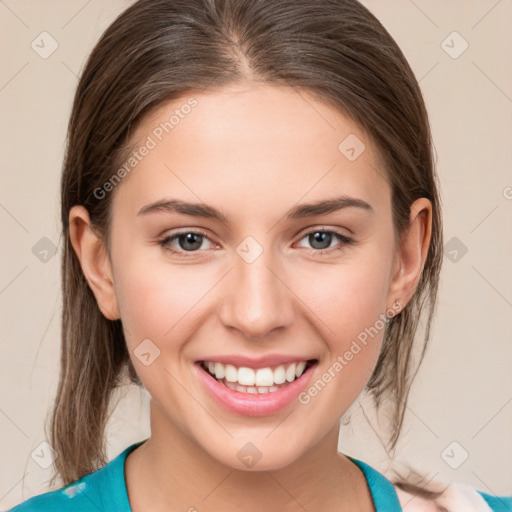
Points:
254	404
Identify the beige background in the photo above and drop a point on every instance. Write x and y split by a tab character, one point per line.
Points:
463	393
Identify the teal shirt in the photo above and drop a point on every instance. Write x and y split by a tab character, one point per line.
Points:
104	490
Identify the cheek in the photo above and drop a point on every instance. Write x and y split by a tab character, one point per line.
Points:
157	301
346	299
349	305
161	304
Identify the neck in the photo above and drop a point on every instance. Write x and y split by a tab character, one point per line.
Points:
170	471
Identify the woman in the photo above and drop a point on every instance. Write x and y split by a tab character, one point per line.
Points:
252	232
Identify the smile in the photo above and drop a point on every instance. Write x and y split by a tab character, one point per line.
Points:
255	391
251	380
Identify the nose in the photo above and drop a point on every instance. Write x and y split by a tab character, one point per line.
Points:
256	299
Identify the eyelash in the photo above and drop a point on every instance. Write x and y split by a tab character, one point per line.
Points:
164	242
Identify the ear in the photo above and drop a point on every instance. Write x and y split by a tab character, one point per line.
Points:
94	261
412	253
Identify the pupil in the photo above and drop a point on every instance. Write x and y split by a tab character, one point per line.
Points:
191	241
324	239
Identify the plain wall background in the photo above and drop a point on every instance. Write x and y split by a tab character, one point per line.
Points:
463	392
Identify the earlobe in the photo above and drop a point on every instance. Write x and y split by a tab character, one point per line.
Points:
94	261
413	252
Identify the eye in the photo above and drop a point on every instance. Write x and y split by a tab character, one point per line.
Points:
184	242
321	240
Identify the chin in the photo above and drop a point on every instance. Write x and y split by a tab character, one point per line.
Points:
254	456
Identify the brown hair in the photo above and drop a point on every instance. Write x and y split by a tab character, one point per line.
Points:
159	50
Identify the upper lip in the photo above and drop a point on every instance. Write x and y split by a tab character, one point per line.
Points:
256	362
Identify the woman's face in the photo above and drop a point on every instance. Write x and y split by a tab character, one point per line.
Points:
266	277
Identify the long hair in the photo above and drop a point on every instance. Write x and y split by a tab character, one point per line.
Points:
158	50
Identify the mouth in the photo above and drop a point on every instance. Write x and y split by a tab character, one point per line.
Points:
255	391
257	380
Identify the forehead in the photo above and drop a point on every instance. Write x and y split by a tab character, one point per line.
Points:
253	141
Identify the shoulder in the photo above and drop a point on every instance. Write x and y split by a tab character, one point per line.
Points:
68	498
455	497
399	494
101	490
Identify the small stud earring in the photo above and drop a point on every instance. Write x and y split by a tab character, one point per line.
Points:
397	306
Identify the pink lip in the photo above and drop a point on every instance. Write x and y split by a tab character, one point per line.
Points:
256	362
250	404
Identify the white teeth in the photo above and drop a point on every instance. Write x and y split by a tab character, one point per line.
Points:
290	373
261	380
219	370
264	377
230	372
250	389
246	376
279	375
300	368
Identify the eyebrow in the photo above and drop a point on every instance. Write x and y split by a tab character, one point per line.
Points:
297	212
328	206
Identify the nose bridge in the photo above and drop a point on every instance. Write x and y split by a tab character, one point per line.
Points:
256	301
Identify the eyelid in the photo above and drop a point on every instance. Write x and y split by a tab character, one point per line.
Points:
321	229
342	238
165	240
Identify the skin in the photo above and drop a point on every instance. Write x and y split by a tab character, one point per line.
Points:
253	152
